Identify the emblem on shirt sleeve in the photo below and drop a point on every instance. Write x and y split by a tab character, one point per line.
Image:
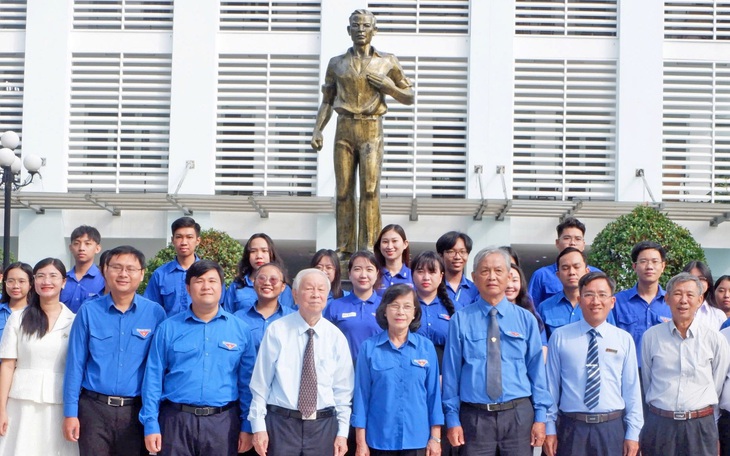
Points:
228	345
143	332
420	362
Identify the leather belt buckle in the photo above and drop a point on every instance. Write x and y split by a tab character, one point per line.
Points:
494	407
311	417
115	401
202	411
593	419
681	415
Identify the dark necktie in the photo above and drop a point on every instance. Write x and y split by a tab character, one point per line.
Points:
494	358
308	385
593	379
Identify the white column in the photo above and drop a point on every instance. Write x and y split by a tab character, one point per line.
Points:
639	124
193	96
42	236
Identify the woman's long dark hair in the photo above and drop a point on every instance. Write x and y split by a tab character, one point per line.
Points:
34	321
405	257
244	266
709	295
432	262
25	267
336	285
524	300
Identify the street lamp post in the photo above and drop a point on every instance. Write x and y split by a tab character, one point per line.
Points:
11	166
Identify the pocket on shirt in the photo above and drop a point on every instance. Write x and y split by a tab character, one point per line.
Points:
475	345
140	340
514	345
100	343
184	349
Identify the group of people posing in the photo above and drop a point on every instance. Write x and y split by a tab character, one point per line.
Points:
415	360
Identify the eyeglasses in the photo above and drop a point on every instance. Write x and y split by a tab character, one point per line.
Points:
452	253
118	268
600	296
13	282
397	307
325	267
645	262
262	280
52	276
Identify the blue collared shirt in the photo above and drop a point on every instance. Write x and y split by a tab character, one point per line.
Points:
4	315
355	318
258	324
465	359
238	297
465	293
403	276
545	283
397	393
435	321
619	371
635	316
726	324
107	349
76	292
167	287
197	363
331	298
557	311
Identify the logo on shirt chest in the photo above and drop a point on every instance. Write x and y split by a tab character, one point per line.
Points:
514	334
420	362
446	317
229	345
143	332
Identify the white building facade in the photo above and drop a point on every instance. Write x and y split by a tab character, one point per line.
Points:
526	112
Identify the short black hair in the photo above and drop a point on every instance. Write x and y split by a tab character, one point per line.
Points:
391	294
185	222
571	222
568	250
90	231
449	240
201	267
647	245
124	250
591	276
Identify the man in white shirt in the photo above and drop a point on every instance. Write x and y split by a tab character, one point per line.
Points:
684	366
303	380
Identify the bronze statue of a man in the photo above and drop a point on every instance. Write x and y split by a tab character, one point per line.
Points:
355	86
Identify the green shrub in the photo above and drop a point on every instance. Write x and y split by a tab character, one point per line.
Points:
214	245
611	249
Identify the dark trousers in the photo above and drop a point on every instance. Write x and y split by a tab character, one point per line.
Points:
505	433
668	437
419	452
723	429
184	434
576	437
294	437
107	430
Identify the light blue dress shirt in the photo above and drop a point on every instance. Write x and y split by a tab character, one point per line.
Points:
465	359
397	392
619	373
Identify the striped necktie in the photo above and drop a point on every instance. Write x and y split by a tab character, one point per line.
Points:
593	378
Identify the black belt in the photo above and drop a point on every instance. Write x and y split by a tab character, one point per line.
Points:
202	411
114	401
324	413
497	407
594	418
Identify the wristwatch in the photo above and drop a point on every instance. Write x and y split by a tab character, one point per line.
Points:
436	439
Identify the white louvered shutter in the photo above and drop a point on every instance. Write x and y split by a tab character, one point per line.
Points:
12	14
122	14
422	16
11	92
425	144
119	122
270	16
566	17
696	132
267	105
564	129
697	19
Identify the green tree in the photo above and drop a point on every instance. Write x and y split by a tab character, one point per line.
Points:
214	245
611	249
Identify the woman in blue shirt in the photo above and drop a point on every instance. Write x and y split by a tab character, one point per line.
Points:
354	314
397	401
268	283
393	254
258	251
436	306
326	261
516	293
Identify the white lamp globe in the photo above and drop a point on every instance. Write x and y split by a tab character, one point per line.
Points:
7	157
16	166
32	163
10	139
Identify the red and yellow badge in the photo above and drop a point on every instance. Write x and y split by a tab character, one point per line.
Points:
420	362
229	345
143	332
446	317
514	334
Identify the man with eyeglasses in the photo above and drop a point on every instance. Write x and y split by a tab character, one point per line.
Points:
454	248
593	378
107	353
544	282
641	307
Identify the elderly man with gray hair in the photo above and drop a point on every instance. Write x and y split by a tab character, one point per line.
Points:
494	385
684	365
